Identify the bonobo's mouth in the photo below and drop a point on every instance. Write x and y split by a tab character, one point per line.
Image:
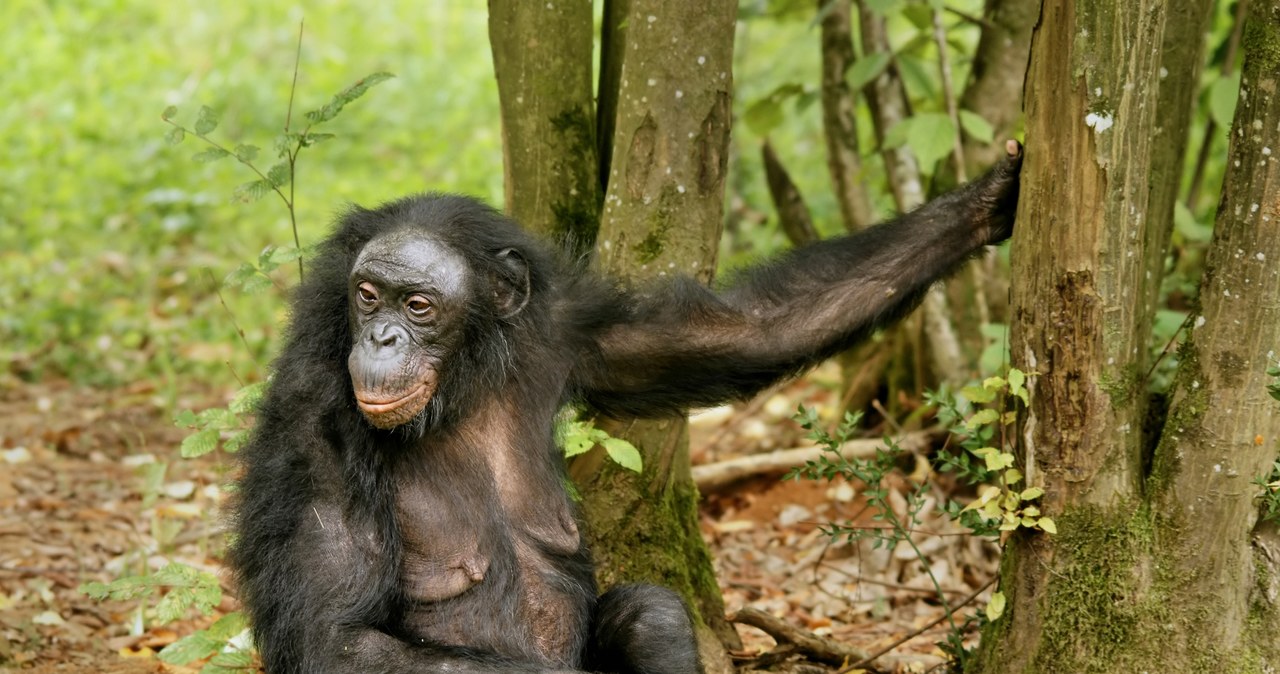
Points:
385	413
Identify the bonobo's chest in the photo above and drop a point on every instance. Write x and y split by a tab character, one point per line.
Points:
487	548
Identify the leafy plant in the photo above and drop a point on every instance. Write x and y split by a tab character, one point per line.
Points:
288	145
892	528
580	436
1270	483
225	644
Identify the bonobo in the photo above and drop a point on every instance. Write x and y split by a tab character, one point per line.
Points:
402	507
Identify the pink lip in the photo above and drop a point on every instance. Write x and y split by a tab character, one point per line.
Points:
379	408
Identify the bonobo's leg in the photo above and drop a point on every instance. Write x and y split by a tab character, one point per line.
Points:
642	629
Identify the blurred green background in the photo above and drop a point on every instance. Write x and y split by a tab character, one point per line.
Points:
114	244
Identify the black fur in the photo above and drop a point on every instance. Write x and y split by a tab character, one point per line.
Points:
329	507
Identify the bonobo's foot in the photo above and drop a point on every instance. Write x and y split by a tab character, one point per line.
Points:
995	196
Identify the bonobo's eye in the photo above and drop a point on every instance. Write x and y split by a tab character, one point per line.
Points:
418	306
366	295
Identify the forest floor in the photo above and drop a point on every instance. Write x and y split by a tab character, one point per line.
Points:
75	507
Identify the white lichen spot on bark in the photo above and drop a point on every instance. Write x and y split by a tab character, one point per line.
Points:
1099	122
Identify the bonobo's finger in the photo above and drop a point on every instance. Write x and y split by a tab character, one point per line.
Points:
1011	163
1012	147
999	194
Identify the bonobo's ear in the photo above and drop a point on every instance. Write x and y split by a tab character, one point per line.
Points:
510	283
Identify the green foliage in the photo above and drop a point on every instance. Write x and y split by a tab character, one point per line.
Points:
980	422
581	436
226	426
1270	483
225	644
188	588
106	233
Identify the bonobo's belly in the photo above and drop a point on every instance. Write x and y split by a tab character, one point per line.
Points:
483	585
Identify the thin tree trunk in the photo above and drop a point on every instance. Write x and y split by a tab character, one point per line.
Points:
542	59
663	214
889	105
839	117
1223	430
1165	570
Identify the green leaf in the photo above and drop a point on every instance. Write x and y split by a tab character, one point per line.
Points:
207	121
210	154
623	453
978	395
246	153
199	443
995	607
1031	493
315	139
342	98
196	646
252	190
1017	378
764	116
933	137
247	398
898	134
1012	476
981	418
1222	99
578	444
169	112
993	383
175	136
976	127
279	174
866	69
185	419
256	283
1047	525
284	255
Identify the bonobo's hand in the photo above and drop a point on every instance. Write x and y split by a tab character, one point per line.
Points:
995	196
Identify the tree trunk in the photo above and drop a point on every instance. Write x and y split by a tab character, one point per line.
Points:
662	216
1163	571
840	118
1223	430
542	60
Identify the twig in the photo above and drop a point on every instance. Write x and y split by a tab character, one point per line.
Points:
1185	322
293	155
948	93
793	213
811	645
921	630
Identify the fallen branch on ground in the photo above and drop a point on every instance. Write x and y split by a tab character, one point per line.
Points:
715	475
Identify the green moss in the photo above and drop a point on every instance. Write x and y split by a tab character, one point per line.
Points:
577	215
652	245
1262	45
1092	612
1120	384
1184	417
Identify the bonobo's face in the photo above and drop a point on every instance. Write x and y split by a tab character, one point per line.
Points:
408	297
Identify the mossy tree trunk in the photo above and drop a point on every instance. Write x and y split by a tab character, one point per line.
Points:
542	60
663	213
659	159
1160	562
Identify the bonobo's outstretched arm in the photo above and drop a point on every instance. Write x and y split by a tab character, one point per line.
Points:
683	345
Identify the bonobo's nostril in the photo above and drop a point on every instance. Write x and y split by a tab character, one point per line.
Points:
384	335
